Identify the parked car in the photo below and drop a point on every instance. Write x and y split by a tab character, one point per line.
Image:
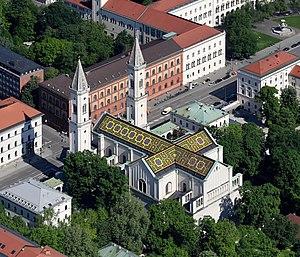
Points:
166	111
218	81
211	83
286	49
294	45
226	77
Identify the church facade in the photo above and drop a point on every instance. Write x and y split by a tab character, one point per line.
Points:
190	170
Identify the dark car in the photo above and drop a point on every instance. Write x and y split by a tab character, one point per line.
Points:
218	81
226	77
216	103
286	49
294	45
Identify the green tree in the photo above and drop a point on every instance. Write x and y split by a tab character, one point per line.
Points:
241	40
258	205
253	148
282	231
78	242
29	93
129	223
253	242
288	99
231	138
48	235
171	227
270	104
22	17
219	237
49	50
123	42
90	180
208	253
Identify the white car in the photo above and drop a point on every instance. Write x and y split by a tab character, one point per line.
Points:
166	111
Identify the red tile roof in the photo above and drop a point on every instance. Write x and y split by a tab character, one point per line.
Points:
13	112
295	72
295	220
150	17
80	3
13	244
196	35
166	5
271	63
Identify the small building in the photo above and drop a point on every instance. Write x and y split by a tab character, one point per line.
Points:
165	130
114	250
15	72
13	245
197	115
30	198
20	130
294	79
270	71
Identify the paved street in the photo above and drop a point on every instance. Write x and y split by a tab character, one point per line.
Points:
38	167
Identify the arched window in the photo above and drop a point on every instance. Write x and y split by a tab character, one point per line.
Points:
168	188
109	152
183	187
115	98
84	108
95	107
142	185
95	97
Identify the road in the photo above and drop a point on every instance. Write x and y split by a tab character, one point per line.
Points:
38	167
203	93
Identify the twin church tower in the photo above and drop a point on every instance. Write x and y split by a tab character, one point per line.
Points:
136	101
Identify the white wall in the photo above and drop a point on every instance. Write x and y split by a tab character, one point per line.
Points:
203	58
11	145
206	11
249	85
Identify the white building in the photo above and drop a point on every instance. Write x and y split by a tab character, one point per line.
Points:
79	121
191	171
294	79
207	12
195	115
30	198
201	54
272	71
20	130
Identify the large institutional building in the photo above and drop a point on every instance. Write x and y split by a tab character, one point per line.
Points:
190	170
20	130
15	72
278	70
31	198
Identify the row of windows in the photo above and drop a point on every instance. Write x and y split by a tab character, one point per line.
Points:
57	102
16	142
249	104
204	49
16	132
160	68
204	59
228	5
153	82
108	91
196	10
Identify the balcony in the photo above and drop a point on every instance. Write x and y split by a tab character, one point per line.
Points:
237	181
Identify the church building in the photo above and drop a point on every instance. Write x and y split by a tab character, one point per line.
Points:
190	170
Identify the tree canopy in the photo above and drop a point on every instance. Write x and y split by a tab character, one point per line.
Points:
91	181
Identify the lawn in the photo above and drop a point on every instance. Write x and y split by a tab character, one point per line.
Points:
264	41
293	21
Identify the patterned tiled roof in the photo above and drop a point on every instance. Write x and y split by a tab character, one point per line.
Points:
196	142
176	155
162	153
134	135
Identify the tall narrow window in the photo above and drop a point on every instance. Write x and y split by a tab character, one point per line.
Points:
142	185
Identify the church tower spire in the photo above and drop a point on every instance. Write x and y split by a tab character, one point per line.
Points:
136	102
79	121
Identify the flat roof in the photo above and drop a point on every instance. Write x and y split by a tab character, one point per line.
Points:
15	62
163	128
13	112
200	113
53	182
270	63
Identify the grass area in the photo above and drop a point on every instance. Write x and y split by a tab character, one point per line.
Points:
264	41
293	21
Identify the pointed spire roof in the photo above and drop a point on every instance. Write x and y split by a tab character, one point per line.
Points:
136	57
79	82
